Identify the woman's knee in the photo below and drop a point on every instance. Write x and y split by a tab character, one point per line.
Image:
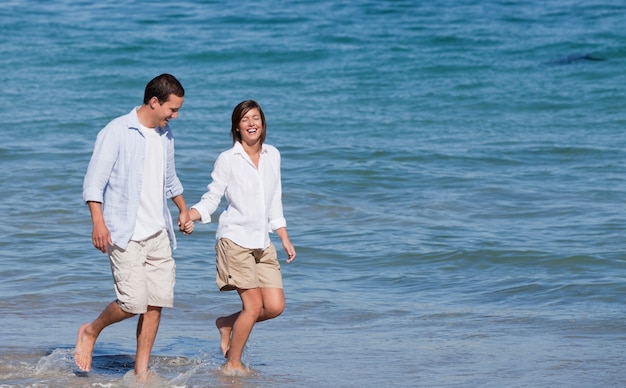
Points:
273	309
252	302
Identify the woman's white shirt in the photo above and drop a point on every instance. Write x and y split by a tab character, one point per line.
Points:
254	196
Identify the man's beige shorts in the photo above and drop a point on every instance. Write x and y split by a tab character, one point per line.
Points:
144	273
242	268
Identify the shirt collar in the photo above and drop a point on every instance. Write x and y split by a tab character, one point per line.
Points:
134	123
238	148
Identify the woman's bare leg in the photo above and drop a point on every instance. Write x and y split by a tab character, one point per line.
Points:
252	301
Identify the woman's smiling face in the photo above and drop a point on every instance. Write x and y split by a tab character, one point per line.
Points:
251	127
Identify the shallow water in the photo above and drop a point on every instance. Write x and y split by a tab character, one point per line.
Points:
453	180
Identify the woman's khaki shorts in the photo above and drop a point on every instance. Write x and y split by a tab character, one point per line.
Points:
144	273
242	268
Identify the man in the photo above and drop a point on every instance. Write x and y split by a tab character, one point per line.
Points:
130	176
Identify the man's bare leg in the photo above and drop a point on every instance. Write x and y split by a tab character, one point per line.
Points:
89	332
147	328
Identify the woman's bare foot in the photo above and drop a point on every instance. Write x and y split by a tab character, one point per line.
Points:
84	348
236	370
224	335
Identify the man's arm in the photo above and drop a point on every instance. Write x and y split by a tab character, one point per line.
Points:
100	235
185	224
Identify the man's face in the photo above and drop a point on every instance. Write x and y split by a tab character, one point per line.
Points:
163	113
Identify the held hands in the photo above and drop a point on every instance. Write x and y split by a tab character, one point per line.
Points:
185	224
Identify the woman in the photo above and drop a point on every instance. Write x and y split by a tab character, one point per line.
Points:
248	175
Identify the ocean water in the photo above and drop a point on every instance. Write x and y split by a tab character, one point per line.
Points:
453	177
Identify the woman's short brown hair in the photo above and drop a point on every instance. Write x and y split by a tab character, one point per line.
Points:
241	110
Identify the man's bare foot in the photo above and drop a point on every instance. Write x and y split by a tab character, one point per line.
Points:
84	348
224	335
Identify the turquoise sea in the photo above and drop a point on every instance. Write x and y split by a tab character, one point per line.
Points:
453	176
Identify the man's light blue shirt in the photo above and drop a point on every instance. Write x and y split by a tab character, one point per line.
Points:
114	176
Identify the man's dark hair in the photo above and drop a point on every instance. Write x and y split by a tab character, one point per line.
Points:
162	87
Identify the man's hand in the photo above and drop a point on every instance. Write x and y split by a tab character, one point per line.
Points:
101	237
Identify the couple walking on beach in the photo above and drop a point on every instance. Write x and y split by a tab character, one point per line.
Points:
131	175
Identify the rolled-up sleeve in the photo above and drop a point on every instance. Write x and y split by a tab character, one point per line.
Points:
173	186
101	165
275	211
